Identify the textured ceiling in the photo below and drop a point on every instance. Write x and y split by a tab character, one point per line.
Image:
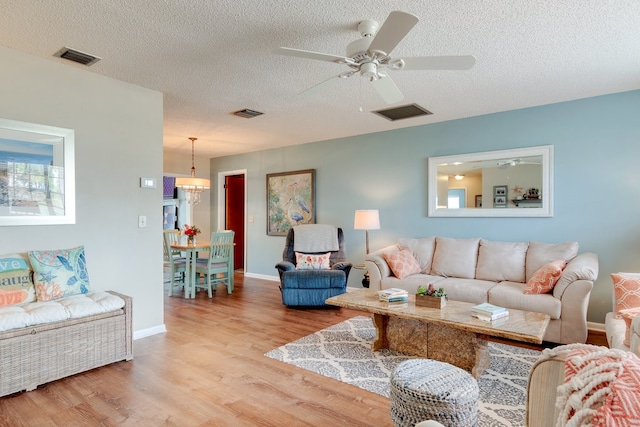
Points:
211	58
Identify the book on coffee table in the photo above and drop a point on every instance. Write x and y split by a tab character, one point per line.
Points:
491	318
393	295
488	310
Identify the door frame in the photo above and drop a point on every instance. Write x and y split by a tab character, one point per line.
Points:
222	214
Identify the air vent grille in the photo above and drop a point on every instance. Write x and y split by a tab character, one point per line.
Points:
247	113
77	56
403	112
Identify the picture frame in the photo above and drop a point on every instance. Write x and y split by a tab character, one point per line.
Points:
37	174
500	202
290	200
500	190
478	200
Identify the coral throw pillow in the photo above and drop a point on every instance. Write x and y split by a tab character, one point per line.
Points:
60	273
627	290
402	263
545	278
312	261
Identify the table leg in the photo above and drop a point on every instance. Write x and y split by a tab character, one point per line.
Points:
194	259
380	321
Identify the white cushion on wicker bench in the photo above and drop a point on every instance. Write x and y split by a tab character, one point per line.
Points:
73	307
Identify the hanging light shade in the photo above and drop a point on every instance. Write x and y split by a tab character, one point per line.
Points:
192	186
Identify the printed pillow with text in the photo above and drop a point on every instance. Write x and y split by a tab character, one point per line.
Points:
312	261
16	283
59	273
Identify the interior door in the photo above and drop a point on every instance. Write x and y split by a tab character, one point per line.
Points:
234	207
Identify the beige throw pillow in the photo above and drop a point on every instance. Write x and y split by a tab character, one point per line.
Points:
421	249
540	254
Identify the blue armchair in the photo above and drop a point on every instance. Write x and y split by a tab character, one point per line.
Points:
312	287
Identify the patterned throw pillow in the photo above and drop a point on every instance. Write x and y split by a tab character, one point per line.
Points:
402	263
545	278
312	261
628	315
59	273
627	290
16	284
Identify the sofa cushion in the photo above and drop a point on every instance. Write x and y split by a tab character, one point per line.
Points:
40	312
545	278
402	263
312	261
511	295
500	261
467	290
16	283
59	273
422	250
540	254
455	257
627	291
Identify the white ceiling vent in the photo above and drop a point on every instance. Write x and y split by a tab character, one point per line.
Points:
247	113
403	112
77	56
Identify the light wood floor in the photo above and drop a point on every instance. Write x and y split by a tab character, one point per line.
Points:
209	369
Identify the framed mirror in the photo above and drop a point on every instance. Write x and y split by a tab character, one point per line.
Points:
505	183
37	174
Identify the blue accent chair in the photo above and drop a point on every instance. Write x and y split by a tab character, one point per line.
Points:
312	287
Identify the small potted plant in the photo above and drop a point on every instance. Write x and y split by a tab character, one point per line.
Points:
431	297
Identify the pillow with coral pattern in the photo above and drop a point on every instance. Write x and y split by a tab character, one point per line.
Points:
402	263
627	290
312	261
59	273
545	278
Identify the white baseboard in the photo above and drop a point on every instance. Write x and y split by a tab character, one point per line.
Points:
593	326
160	329
262	276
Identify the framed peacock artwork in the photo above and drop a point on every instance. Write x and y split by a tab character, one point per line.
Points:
290	200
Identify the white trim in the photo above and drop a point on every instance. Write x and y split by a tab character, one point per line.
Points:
262	276
593	326
160	329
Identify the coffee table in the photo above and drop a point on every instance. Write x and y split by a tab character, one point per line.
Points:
449	334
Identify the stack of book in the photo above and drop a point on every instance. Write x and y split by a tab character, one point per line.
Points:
488	312
393	295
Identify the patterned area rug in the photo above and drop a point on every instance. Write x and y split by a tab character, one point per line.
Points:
343	352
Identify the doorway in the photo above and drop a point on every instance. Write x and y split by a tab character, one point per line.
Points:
232	210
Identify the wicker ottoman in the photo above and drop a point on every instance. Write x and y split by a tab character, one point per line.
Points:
423	389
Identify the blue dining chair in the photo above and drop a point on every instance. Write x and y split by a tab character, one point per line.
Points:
218	268
173	258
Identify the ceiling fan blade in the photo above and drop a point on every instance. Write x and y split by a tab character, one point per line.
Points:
325	84
394	29
387	89
287	51
438	63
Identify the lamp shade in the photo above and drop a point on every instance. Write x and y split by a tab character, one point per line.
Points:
192	183
366	219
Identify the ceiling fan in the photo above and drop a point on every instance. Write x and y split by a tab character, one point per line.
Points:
503	164
369	56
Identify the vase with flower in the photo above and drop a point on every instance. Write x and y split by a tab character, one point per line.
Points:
191	231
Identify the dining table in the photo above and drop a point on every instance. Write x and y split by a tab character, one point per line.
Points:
191	252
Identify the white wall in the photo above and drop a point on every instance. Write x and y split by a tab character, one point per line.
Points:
118	139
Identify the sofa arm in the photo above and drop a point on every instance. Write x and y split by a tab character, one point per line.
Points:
582	267
377	267
343	266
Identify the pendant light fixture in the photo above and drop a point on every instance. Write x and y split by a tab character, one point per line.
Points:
192	186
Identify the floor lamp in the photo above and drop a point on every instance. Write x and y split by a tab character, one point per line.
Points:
366	219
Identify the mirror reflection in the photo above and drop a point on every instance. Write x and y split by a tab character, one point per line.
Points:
499	183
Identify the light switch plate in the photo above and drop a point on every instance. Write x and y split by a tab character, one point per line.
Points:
147	182
142	221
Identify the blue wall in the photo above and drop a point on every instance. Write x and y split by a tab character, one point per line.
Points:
596	175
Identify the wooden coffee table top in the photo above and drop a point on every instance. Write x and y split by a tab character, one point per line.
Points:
525	326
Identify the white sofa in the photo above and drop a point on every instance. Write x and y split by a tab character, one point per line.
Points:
616	328
478	270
